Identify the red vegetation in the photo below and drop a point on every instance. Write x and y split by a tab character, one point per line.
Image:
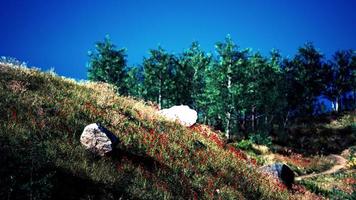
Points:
280	185
238	153
350	181
209	134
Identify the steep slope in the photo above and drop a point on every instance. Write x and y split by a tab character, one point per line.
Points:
41	119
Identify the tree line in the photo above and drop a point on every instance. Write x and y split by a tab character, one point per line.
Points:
237	91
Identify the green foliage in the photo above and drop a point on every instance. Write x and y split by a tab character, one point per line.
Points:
238	91
261	138
242	87
134	82
333	193
171	80
159	73
340	77
225	84
107	64
244	144
304	78
190	79
314	188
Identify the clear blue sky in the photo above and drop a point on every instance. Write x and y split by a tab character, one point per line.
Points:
49	33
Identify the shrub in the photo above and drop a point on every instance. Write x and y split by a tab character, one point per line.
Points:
244	144
261	138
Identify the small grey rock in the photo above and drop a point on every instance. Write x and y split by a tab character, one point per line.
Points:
280	171
98	139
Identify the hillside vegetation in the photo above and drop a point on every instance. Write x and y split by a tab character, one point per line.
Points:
43	115
235	90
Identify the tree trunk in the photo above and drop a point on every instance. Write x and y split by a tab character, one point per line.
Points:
244	127
253	118
286	120
335	105
266	120
270	123
160	96
228	114
227	132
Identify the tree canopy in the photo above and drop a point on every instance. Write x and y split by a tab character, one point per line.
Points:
237	91
107	64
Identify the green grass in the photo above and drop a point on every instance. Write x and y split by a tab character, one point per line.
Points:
340	185
43	115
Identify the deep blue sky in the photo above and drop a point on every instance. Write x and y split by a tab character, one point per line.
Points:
48	33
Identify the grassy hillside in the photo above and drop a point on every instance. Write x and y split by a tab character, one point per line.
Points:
43	115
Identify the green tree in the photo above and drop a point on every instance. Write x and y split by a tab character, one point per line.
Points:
304	76
276	90
107	64
340	77
191	77
271	100
225	84
211	97
276	101
261	92
159	73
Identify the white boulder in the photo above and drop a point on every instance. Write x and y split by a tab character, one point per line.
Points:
183	114
97	139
